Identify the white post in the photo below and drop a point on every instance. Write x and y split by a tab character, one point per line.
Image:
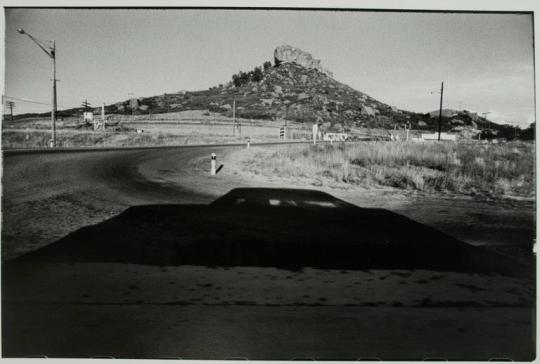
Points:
248	141
213	164
234	117
315	132
407	134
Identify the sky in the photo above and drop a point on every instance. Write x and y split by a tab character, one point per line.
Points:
399	58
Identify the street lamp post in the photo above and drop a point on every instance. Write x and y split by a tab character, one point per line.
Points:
51	52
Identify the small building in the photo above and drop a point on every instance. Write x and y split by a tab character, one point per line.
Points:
88	116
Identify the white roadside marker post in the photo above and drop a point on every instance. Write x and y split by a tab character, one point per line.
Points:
315	132
248	141
213	164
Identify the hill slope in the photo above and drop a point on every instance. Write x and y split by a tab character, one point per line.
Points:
288	91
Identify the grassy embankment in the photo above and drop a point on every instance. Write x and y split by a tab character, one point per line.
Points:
40	139
464	168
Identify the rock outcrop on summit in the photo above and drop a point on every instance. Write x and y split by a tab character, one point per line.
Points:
290	54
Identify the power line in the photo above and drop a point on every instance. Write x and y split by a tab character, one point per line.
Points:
37	102
29	101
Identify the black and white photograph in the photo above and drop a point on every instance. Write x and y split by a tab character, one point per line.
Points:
226	182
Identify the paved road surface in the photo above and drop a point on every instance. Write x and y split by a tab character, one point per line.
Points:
63	191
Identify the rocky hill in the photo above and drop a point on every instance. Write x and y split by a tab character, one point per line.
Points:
297	88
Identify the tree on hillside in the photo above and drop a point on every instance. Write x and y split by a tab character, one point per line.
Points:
249	76
237	81
257	74
267	65
244	77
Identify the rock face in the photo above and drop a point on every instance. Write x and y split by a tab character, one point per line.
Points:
289	54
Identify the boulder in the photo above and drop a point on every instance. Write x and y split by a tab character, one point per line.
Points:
369	111
289	54
302	96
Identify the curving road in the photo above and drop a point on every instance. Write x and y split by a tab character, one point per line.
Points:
46	195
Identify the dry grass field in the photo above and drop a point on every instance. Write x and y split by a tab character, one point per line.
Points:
464	168
75	138
176	128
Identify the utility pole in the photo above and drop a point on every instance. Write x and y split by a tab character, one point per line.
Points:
239	126
440	111
132	105
285	134
53	114
11	105
484	114
86	105
51	52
